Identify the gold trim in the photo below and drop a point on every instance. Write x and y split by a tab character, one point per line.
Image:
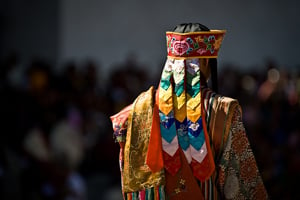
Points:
190	57
200	32
136	174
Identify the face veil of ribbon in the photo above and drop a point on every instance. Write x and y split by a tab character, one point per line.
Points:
182	123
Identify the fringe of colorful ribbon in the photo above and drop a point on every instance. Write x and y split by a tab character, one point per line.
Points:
181	120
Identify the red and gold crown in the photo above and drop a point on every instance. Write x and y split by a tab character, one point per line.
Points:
203	44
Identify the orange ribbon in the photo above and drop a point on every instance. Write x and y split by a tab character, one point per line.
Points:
154	158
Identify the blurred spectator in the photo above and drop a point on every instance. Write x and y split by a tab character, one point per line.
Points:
56	139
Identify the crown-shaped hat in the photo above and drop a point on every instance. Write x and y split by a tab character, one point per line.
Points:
194	41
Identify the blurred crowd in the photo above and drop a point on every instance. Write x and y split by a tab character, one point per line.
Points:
56	136
270	99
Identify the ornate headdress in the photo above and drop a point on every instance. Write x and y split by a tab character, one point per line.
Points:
204	44
180	101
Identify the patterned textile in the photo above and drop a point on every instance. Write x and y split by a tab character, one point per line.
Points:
119	122
183	141
194	45
181	118
236	175
136	173
183	184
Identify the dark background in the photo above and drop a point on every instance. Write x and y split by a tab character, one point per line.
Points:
66	66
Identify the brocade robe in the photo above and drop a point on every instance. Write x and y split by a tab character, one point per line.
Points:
236	175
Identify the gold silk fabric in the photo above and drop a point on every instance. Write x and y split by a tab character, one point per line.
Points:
220	121
137	175
236	175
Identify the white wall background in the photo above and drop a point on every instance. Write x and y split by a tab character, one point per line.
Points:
108	31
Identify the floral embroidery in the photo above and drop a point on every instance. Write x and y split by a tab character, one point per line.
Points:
194	126
239	142
218	43
181	186
177	190
199	39
248	169
120	131
199	44
238	174
181	47
182	181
